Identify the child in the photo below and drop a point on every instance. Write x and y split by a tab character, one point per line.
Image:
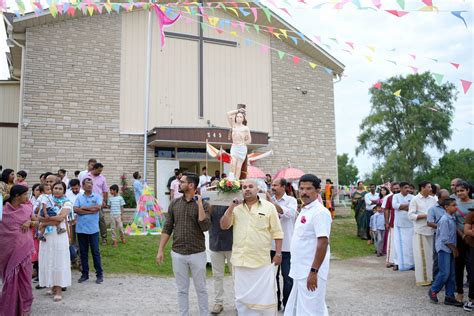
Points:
377	228
47	209
21	178
445	245
116	203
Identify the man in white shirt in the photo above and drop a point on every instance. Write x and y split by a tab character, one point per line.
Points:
204	180
83	174
72	193
286	207
371	199
423	234
310	253
403	238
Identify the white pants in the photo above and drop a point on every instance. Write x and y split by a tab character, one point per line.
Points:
182	264
423	255
391	253
303	302
404	248
218	259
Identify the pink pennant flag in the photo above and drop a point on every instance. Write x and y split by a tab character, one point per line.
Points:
264	48
164	21
428	2
377	3
3	5
296	60
318	38
415	70
255	14
397	13
466	85
378	85
413	56
350	44
455	65
286	11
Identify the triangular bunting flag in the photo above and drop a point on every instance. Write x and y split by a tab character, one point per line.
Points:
313	65
401	3
438	78
458	15
455	65
296	60
466	85
397	93
378	85
397	13
281	54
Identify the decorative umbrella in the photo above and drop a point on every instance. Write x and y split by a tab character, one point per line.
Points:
255	173
289	173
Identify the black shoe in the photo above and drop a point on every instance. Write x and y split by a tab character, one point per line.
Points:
452	301
433	297
83	278
64	289
38	287
99	280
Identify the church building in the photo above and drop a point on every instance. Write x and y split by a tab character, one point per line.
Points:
81	92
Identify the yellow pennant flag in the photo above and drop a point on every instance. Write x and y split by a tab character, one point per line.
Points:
187	9
372	48
90	9
397	93
369	58
233	33
313	65
233	10
213	20
277	35
284	32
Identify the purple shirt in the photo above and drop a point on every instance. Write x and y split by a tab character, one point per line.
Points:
99	184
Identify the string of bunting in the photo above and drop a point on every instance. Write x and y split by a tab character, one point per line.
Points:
88	7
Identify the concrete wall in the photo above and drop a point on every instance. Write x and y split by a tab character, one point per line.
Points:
72	99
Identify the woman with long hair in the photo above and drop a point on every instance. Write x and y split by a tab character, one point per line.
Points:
54	257
16	248
6	183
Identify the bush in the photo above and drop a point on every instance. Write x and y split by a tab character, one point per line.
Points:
127	193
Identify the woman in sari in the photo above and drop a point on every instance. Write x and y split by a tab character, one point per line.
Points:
358	205
16	244
54	257
6	183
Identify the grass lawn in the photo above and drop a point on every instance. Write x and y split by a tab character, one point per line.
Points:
138	254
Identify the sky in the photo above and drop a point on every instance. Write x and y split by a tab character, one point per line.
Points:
439	35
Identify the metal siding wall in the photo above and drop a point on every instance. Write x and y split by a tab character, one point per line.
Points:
9	144
232	75
9	102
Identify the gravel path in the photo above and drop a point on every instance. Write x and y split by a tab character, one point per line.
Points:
361	286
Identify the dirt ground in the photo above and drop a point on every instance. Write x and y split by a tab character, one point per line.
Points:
360	286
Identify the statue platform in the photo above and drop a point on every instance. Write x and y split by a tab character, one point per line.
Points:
217	198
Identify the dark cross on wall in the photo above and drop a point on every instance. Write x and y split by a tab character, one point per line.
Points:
201	39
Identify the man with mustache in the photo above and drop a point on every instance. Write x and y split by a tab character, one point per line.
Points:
255	224
286	207
389	220
310	253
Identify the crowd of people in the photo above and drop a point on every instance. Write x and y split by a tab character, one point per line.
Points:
429	230
58	218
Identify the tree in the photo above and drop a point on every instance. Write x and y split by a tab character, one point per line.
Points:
399	130
346	169
452	165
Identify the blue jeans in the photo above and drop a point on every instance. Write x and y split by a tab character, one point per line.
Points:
287	281
446	274
92	240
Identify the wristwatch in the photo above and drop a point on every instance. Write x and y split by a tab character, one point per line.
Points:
278	254
313	270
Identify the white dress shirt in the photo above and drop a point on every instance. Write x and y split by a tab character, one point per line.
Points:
313	221
72	197
401	217
203	179
287	220
420	205
369	197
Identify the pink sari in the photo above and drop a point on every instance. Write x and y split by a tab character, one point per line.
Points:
15	260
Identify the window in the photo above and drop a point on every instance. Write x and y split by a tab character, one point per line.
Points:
192	153
165	152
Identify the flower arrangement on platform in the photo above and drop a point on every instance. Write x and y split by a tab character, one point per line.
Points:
226	185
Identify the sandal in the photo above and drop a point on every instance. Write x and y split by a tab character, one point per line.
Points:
49	292
57	298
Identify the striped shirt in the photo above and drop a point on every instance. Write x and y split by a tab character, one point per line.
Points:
115	203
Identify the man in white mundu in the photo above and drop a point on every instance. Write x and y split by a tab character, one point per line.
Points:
403	239
310	253
423	236
255	224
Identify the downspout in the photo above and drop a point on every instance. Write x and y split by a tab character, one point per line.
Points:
22	80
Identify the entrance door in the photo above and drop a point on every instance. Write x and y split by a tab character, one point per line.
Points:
164	170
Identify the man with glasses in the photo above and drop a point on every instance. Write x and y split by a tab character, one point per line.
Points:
187	219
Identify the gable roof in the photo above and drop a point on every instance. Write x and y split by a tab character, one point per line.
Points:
16	27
